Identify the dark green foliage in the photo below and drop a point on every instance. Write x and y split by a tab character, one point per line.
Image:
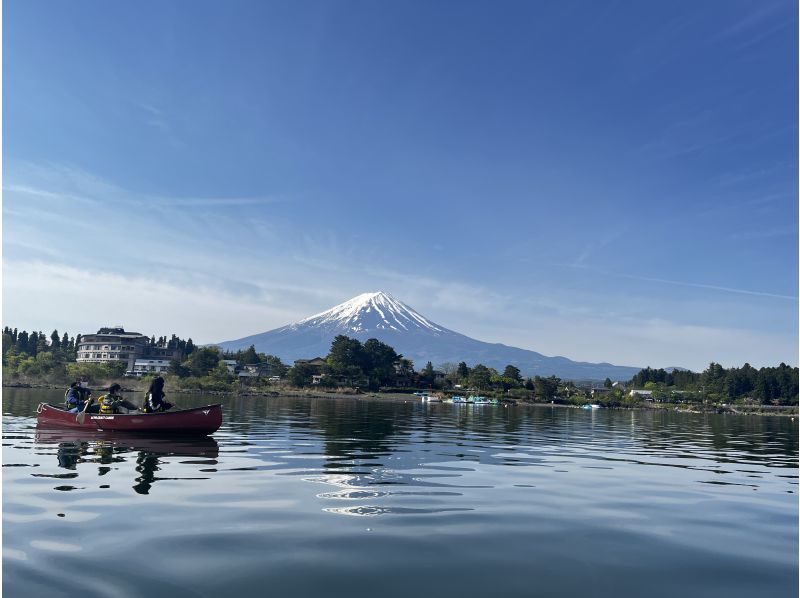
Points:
250	356
32	347
202	361
480	376
607	383
513	373
427	374
177	368
766	385
529	384
546	388
22	342
36	354
462	371
352	363
380	361
300	375
345	353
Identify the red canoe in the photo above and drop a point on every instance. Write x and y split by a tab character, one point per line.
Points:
200	420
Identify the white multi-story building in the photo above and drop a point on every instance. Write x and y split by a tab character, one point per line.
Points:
150	366
110	345
113	344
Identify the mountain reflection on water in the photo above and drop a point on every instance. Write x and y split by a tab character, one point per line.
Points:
299	496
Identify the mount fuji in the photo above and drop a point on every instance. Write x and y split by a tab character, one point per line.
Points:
379	315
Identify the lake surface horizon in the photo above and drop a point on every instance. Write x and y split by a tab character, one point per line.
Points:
297	496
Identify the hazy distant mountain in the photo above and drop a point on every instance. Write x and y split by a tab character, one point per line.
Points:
379	315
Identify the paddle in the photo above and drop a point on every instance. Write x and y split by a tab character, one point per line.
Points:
82	415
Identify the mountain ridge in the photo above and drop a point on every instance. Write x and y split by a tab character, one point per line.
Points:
379	315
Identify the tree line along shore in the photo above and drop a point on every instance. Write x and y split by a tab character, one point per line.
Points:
351	367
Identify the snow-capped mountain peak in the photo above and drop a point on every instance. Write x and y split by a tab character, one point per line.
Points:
381	316
371	311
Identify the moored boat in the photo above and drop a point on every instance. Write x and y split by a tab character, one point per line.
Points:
478	400
198	420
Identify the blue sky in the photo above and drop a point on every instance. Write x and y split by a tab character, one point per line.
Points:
608	181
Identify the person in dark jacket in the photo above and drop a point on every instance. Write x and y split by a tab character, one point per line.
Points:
76	397
154	397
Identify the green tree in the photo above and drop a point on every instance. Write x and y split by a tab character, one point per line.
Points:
300	375
405	367
379	359
8	343
33	344
220	374
202	361
175	367
462	371
345	353
250	356
546	388
480	377
512	372
607	383
22	342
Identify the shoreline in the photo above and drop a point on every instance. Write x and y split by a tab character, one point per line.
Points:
782	411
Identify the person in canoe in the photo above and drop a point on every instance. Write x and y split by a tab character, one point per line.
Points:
112	401
154	397
76	396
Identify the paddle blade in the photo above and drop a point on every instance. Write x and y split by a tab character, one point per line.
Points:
80	417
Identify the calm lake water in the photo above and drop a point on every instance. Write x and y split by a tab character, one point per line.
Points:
310	497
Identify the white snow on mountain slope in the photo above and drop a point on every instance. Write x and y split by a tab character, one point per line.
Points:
371	311
381	316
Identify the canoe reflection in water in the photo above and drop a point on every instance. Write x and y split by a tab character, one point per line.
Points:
106	449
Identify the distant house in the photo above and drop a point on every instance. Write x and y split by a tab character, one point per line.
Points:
600	392
231	364
647	395
620	385
149	366
251	371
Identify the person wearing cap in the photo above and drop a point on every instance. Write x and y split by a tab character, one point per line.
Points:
76	396
112	401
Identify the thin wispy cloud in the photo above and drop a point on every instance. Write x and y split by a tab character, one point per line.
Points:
212	201
750	235
596	245
49	195
753	19
157	118
688	284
